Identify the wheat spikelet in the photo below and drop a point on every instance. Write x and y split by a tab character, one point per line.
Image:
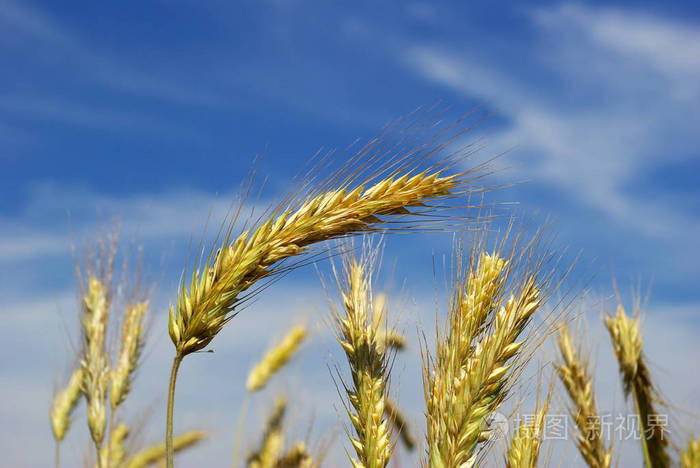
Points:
131	345
117	450
626	339
575	375
469	376
64	403
272	441
276	358
690	457
524	448
156	453
357	335
400	423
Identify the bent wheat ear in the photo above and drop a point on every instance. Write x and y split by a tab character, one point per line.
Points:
358	336
334	208
276	358
626	339
575	374
156	453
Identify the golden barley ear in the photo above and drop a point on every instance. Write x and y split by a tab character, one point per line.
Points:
626	338
156	453
690	456
484	345
575	373
276	358
357	333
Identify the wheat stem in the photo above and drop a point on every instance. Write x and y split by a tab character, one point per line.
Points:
169	418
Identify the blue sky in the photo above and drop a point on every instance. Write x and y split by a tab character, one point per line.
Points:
153	111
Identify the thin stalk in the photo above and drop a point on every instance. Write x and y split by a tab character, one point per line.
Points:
645	449
238	437
58	453
169	421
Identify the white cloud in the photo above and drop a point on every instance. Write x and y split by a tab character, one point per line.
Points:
614	119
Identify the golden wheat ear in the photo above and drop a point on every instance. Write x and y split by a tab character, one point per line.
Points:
575	373
276	358
626	337
357	333
486	341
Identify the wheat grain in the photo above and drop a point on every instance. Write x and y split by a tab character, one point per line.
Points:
575	374
276	358
626	339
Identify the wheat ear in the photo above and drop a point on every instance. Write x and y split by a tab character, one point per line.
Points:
575	374
357	334
626	340
469	376
690	457
276	358
273	439
95	363
62	407
525	445
156	453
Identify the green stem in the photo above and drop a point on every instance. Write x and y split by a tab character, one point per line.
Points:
58	453
169	422
642	428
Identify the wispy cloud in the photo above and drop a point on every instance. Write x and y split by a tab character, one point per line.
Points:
613	118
